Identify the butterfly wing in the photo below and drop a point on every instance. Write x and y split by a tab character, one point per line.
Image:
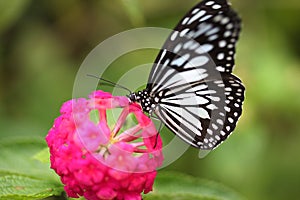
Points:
202	113
211	24
197	97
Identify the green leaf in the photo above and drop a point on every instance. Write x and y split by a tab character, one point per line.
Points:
17	157
15	186
174	185
80	198
178	197
43	156
22	175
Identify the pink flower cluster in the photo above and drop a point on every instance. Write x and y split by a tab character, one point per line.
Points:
99	160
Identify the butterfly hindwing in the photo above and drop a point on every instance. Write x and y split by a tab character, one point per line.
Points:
203	113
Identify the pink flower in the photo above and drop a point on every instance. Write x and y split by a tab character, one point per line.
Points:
99	161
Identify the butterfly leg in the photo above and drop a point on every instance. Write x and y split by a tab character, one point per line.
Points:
159	129
152	117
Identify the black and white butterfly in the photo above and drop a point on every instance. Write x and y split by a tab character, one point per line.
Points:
191	88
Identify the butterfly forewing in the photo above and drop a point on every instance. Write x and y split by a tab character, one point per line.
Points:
210	27
190	85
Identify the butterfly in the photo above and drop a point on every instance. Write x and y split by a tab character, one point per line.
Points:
191	88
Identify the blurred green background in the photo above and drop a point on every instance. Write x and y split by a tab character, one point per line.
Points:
43	43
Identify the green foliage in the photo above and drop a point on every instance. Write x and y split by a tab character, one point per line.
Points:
175	185
22	176
15	186
17	157
43	156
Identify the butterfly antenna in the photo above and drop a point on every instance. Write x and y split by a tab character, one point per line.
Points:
110	82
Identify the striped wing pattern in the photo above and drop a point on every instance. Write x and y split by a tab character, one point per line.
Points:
191	83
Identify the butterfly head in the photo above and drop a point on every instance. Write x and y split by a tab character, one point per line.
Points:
132	97
144	99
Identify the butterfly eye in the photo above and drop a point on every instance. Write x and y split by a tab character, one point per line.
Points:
132	97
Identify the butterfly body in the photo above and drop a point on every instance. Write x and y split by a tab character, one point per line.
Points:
144	99
191	88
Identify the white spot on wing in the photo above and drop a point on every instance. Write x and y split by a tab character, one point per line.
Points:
198	61
183	32
212	107
212	31
219	121
188	44
209	3
202	28
220	68
229	26
228	89
195	10
213	37
174	35
222	43
227	33
177	48
220	56
227	109
209	131
216	6
218	18
206	17
179	61
197	16
225	20
214	98
214	126
205	48
185	20
194	46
